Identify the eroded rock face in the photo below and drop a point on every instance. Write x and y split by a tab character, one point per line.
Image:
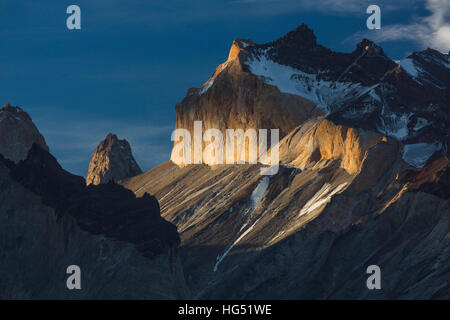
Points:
234	98
112	160
319	140
17	133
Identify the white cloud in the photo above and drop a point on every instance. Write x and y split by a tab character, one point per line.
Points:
432	31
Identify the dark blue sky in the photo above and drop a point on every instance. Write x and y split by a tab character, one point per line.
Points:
134	60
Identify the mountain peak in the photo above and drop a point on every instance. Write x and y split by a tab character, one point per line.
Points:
17	133
302	36
372	49
432	53
111	139
112	160
7	107
237	46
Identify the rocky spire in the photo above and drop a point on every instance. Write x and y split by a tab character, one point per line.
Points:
112	160
302	36
17	133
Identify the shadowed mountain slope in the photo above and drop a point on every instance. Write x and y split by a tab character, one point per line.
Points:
50	220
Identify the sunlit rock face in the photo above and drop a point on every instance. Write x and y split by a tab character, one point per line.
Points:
362	179
234	98
286	82
322	140
17	133
112	160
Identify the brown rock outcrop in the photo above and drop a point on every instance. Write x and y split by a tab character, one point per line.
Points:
319	140
112	160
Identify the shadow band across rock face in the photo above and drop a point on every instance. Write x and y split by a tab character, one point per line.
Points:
107	209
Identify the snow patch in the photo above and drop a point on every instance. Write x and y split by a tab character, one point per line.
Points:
421	123
445	64
256	197
259	192
322	197
323	93
395	126
418	154
221	257
373	94
443	60
206	86
409	66
355	112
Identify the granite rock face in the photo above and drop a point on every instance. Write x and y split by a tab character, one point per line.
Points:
233	98
293	79
17	133
112	160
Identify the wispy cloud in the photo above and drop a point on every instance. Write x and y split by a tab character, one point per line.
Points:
431	31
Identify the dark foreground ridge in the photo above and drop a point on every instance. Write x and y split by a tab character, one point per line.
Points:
107	209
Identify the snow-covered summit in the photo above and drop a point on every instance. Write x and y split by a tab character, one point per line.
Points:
407	100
